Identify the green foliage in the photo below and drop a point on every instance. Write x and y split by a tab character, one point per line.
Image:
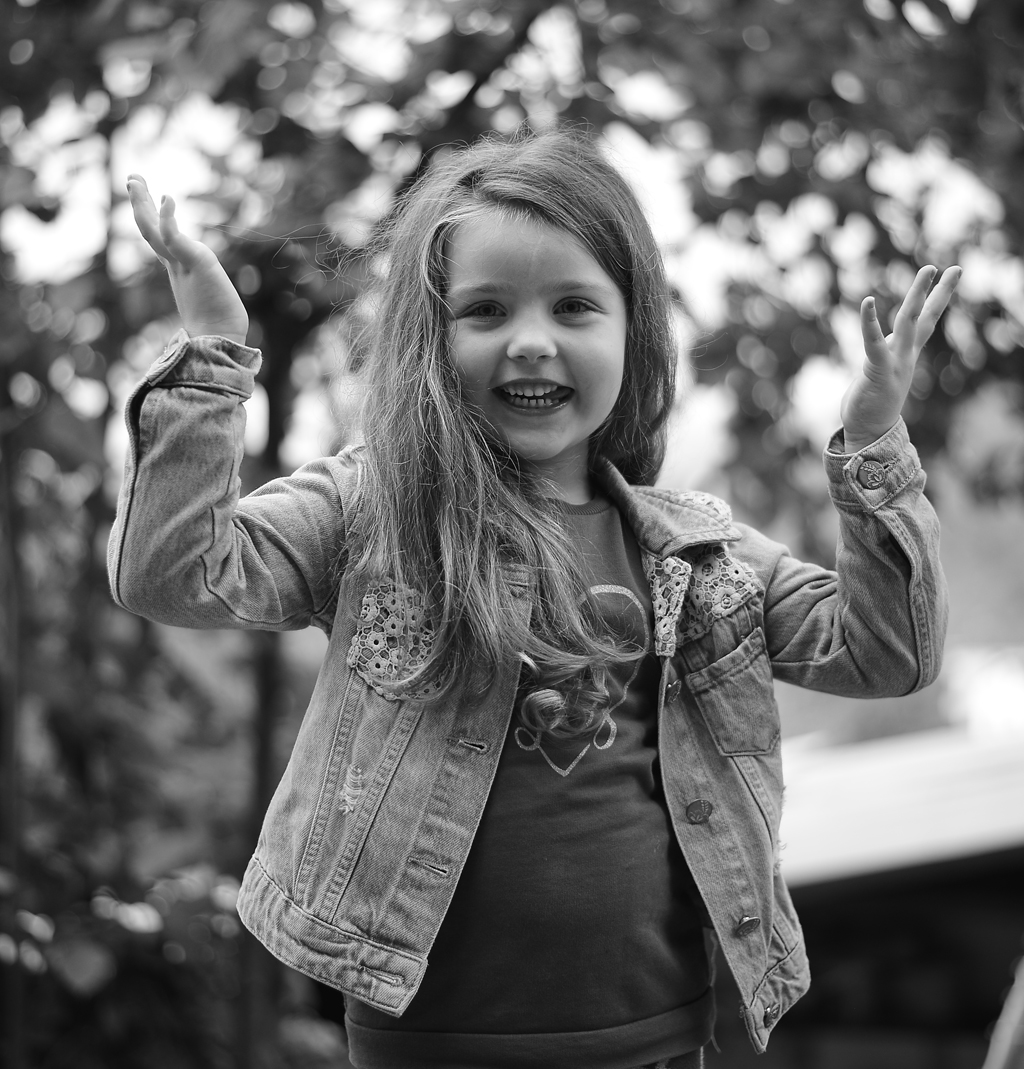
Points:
821	151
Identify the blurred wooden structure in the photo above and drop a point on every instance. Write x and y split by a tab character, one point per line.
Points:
906	860
1006	1051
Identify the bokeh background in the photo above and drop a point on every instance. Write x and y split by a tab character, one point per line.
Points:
793	156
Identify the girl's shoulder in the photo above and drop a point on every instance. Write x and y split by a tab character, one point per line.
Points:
346	468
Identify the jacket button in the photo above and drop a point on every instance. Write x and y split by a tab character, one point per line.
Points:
748	925
771	1014
672	690
698	812
871	474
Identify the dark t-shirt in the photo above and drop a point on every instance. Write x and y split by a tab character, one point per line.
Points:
574	936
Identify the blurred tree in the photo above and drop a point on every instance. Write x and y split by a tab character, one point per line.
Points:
811	153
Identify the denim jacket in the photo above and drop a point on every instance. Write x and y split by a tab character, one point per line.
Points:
368	831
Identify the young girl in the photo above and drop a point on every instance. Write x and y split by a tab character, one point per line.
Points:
542	758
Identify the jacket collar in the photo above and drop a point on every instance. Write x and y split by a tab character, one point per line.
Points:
665	522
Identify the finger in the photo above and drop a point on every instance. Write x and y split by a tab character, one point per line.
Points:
904	326
874	340
936	303
168	224
146	218
185	250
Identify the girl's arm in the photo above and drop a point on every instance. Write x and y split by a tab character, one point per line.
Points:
185	549
876	625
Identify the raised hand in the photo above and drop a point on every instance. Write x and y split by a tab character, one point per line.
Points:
207	301
874	400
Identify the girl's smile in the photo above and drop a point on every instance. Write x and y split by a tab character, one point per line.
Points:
539	340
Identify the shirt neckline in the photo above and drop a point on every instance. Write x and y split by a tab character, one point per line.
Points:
593	507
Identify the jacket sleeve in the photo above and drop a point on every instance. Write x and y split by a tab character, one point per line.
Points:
876	625
185	549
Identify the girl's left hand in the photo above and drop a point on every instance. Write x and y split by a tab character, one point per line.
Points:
874	400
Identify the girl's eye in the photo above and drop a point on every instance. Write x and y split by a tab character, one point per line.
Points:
575	306
484	310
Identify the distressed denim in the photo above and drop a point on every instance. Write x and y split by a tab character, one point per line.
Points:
375	814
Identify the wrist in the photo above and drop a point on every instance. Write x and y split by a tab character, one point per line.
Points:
855	441
200	332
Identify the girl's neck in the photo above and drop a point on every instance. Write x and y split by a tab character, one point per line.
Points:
569	481
581	495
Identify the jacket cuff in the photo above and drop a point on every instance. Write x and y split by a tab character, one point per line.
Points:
873	476
208	362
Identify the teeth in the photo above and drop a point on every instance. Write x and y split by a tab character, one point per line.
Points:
531	402
531	389
535	394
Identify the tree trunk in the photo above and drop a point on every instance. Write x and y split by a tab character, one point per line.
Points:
12	1053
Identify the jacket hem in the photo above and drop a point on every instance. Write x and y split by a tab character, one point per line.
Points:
782	986
381	976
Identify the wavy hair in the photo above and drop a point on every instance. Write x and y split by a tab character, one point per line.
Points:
445	508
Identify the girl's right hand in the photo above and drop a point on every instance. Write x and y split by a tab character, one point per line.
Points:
207	301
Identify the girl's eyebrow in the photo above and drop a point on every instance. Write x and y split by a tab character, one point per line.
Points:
476	288
566	285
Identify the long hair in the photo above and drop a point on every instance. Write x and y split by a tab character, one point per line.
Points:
445	508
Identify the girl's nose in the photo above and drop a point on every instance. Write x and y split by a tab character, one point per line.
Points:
531	340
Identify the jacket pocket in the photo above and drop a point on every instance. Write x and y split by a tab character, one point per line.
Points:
392	639
737	699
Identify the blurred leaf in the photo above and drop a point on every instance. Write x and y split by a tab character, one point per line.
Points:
83	966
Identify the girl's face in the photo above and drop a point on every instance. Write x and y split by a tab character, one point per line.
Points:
539	340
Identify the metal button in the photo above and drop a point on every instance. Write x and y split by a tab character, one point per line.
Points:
871	474
748	925
771	1014
672	690
699	811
